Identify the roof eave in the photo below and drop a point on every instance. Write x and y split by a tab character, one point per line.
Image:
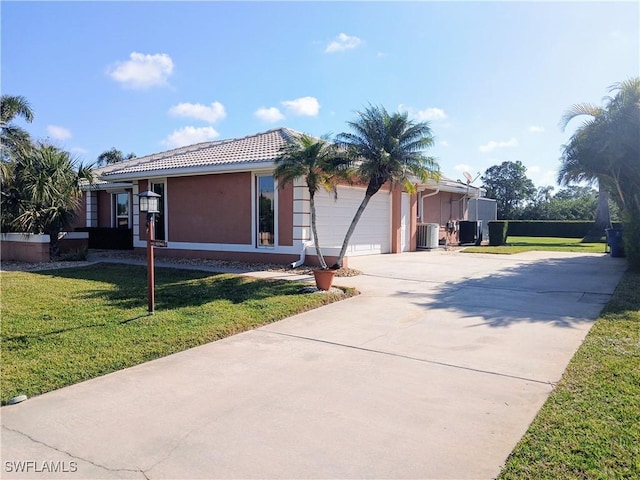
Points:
187	171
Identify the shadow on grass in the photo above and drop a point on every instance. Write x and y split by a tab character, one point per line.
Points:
564	292
18	341
576	244
174	288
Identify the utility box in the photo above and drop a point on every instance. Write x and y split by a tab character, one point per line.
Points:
484	210
428	235
468	232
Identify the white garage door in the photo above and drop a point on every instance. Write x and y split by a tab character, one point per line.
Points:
373	232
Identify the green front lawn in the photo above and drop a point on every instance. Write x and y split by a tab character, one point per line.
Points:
65	326
589	428
527	244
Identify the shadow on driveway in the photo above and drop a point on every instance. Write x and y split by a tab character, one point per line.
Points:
564	292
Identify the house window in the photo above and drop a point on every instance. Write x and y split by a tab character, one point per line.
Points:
122	210
265	210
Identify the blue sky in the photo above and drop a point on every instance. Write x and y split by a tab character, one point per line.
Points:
492	78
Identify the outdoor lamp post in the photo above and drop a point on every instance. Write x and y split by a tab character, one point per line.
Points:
150	204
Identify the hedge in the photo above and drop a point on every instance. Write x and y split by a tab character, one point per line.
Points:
549	228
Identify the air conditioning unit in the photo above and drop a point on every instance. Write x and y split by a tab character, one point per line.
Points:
428	235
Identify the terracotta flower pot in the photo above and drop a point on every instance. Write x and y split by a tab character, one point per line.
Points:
324	278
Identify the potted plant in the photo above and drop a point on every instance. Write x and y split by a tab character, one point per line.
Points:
317	161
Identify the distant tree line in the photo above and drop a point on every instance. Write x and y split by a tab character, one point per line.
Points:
519	199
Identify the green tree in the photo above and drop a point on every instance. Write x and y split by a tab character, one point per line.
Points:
109	157
385	148
582	162
316	161
14	138
606	147
43	192
509	185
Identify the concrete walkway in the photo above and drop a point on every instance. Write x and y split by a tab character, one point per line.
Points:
434	371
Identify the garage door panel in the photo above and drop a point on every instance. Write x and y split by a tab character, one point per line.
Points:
372	234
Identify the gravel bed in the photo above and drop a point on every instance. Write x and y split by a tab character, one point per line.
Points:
105	255
15	266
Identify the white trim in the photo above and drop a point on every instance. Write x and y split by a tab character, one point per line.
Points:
235	167
405	222
254	214
111	210
225	247
254	210
276	212
88	187
73	235
114	207
91	209
135	205
26	238
301	234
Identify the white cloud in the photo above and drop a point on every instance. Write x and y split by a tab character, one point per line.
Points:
58	133
79	150
189	136
536	129
462	167
306	106
341	43
200	112
444	143
425	115
142	71
534	169
270	115
492	145
429	114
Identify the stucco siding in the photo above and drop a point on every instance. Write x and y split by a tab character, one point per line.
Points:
210	208
104	209
80	219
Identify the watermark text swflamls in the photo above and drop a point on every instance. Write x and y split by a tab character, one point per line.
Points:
33	466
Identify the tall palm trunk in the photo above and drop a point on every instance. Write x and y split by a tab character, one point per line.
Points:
314	230
603	218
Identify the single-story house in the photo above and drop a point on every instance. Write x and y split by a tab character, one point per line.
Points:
220	200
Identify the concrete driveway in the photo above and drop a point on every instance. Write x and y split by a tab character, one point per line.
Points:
435	371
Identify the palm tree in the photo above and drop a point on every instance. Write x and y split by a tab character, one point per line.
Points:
316	161
582	161
109	157
606	147
47	187
14	139
386	148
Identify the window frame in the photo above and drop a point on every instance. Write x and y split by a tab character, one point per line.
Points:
116	215
257	211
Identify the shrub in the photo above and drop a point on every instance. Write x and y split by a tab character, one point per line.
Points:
498	232
631	239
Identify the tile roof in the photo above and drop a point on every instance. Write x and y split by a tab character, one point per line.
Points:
260	147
